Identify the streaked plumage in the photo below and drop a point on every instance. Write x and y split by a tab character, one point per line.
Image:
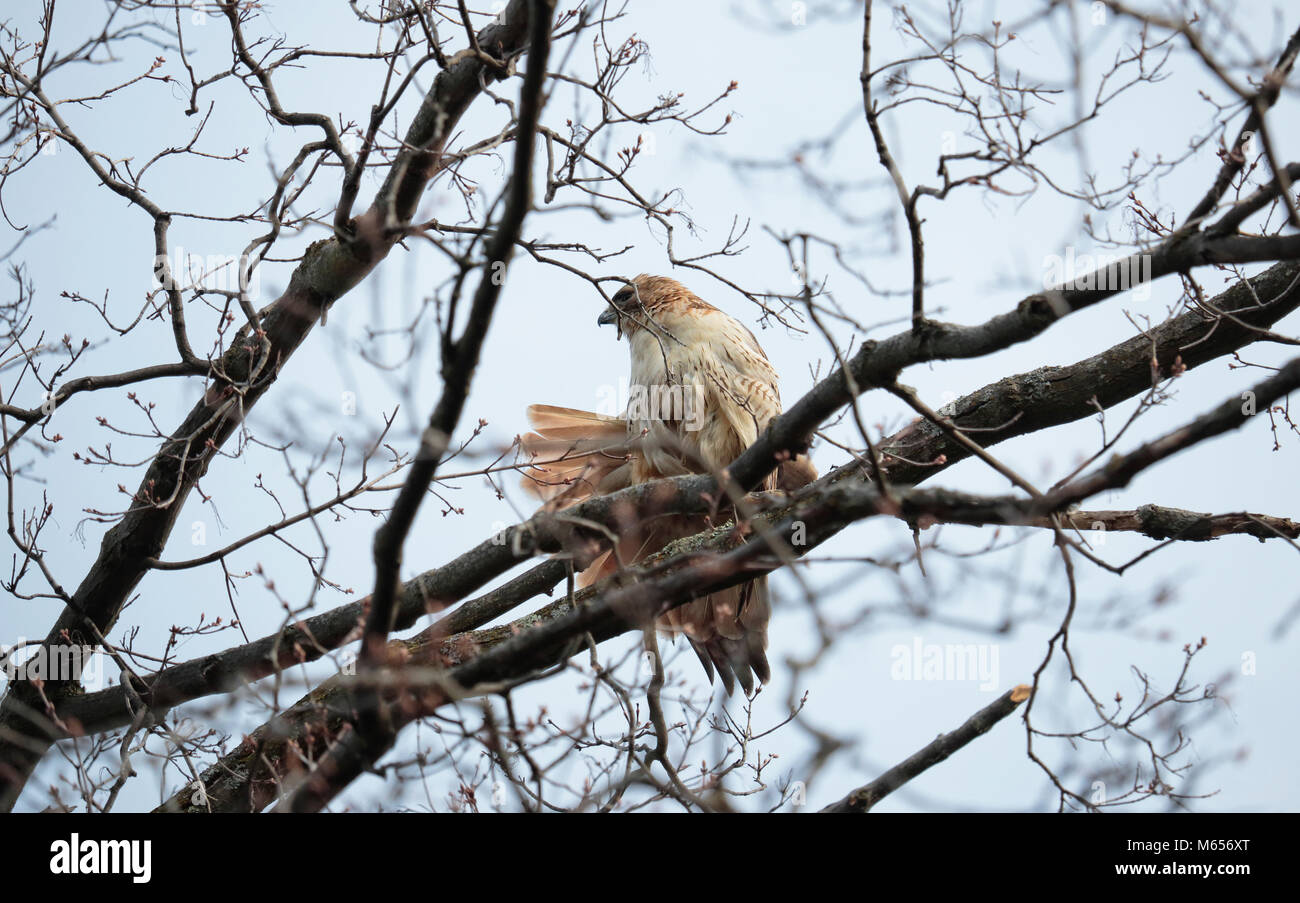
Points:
716	392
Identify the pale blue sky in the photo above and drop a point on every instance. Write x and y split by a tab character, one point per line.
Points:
985	252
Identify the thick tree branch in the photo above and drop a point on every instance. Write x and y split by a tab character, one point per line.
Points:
1159	522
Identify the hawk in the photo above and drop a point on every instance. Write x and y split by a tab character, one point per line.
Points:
701	392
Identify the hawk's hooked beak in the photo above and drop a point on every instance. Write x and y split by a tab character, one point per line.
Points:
611	316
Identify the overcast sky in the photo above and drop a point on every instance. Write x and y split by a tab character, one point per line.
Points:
798	81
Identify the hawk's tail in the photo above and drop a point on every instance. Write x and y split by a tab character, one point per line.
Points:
728	631
575	454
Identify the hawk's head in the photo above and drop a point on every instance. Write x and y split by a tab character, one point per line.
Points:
648	302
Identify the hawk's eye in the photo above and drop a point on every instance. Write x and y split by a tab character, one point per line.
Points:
623	299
